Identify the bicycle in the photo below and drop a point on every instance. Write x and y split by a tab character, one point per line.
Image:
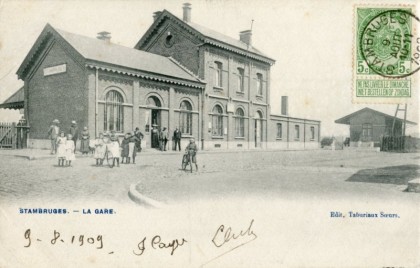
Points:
109	157
187	160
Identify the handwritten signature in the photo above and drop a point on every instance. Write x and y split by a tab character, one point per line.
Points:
224	235
156	243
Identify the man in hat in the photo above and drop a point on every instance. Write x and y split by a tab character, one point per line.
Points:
192	149
139	136
53	133
74	131
177	138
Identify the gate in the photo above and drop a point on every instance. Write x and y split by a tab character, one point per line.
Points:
14	136
400	144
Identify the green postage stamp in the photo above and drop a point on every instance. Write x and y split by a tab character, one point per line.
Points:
386	54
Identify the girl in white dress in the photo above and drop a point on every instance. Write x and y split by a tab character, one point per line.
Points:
99	150
114	148
70	150
61	149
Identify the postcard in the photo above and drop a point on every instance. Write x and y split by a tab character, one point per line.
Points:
209	133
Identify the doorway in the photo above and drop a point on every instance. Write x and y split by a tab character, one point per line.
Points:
258	129
155	116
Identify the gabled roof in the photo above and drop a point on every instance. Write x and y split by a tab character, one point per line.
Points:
346	119
207	36
15	101
95	50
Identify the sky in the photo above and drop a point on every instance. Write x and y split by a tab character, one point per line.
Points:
311	42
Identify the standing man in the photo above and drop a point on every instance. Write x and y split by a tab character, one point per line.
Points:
74	131
139	136
177	138
163	139
53	133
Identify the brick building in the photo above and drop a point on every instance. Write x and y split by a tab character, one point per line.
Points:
213	87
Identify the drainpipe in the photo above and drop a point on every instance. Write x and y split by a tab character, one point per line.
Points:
96	102
304	133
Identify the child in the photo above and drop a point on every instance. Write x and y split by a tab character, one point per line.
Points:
84	144
70	156
125	149
192	150
61	149
99	150
114	147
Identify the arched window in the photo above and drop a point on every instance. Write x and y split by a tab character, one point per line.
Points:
239	123
217	121
185	118
218	74
114	111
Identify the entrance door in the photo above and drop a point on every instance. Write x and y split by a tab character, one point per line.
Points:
155	128
258	129
154	103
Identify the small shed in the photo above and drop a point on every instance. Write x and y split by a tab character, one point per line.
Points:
368	125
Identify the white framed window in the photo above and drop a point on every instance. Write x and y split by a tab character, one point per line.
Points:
241	80
114	111
185	118
279	131
217	121
218	74
240	123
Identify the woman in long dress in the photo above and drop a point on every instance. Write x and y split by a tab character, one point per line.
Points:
84	145
61	149
125	149
99	150
132	150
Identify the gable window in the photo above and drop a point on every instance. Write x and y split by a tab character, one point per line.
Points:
185	118
217	121
312	133
240	80
239	123
297	132
259	84
279	131
218	74
114	111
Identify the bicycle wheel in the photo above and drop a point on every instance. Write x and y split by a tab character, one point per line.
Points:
190	161
110	159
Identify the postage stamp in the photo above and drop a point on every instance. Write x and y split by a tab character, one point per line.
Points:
385	54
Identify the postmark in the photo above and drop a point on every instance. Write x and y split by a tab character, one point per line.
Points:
385	55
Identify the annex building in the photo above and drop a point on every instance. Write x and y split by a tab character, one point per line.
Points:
212	87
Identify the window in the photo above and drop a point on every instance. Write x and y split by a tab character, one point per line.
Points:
240	80
217	121
367	132
239	123
312	133
297	130
218	73
279	131
114	112
259	84
185	118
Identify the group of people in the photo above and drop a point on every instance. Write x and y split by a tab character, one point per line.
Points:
64	146
160	138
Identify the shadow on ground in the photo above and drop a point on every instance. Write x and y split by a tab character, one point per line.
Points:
399	175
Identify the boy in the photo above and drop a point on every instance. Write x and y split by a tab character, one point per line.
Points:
192	149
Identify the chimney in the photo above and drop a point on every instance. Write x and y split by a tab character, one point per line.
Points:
284	105
187	12
106	36
156	15
246	37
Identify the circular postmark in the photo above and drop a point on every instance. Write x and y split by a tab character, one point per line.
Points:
388	46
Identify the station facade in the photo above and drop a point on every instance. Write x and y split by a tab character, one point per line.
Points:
212	87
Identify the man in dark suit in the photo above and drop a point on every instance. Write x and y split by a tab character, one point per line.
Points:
177	138
53	134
